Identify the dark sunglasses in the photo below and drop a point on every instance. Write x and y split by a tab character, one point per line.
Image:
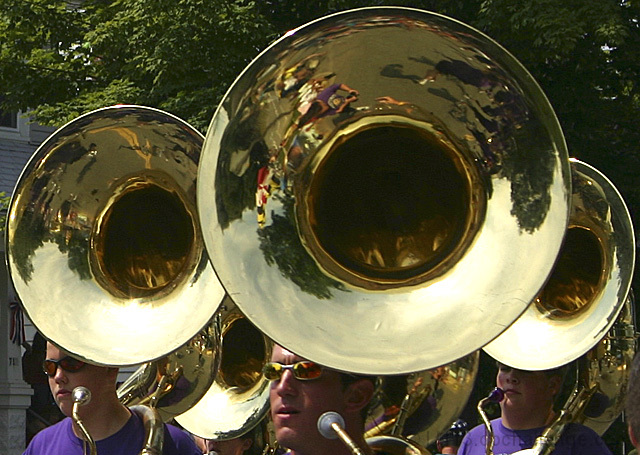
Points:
68	364
304	371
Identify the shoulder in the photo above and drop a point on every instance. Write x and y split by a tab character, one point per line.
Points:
179	442
475	431
474	441
582	440
60	427
57	438
479	430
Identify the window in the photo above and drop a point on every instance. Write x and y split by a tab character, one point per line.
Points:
13	125
8	119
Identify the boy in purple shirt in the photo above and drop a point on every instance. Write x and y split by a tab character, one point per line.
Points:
114	428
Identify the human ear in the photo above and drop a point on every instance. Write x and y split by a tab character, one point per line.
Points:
112	373
358	395
555	382
632	437
246	443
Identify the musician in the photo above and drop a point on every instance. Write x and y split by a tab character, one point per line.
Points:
527	409
236	446
449	443
115	429
632	407
246	444
301	391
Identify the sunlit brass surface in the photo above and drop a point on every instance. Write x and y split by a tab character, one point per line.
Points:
422	406
174	383
81	396
394	445
104	244
238	399
414	215
153	429
588	285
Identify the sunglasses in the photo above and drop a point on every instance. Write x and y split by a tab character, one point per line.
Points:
304	371
68	364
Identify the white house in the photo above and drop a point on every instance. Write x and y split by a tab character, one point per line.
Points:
18	140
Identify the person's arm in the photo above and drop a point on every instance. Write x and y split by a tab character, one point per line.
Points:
351	91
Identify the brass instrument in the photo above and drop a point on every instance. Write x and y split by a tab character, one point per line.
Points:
331	426
103	237
607	368
387	445
603	373
420	406
154	429
238	398
495	396
175	382
427	185
588	286
586	307
81	396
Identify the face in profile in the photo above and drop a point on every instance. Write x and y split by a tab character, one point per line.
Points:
66	374
297	404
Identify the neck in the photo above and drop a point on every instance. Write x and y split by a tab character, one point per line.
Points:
527	420
335	447
103	421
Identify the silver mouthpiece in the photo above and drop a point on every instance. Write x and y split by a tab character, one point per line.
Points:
81	395
325	422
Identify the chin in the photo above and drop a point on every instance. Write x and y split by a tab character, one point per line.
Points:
289	438
66	410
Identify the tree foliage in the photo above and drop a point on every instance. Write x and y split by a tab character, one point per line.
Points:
61	61
4	205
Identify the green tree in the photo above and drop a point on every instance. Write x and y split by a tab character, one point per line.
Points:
4	205
62	61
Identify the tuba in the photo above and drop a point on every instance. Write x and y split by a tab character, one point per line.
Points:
409	171
106	205
375	174
421	406
103	237
238	399
608	366
588	286
175	382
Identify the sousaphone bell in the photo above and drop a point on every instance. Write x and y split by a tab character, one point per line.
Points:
588	286
410	173
104	243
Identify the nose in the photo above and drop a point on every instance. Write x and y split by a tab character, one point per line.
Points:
286	385
512	377
59	375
